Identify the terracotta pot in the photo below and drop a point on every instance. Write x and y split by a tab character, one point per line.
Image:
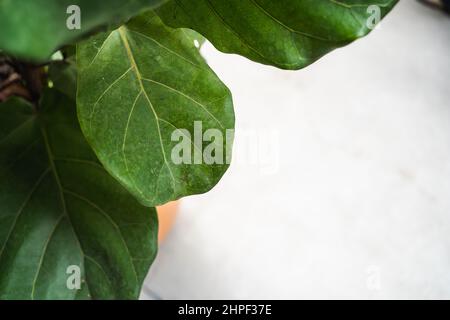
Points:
166	215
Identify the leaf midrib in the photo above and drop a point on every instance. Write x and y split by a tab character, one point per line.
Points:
122	32
65	213
51	160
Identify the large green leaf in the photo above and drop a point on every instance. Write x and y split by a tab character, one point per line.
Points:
60	208
137	85
34	29
288	34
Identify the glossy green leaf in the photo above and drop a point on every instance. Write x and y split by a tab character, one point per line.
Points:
288	34
138	85
34	29
60	210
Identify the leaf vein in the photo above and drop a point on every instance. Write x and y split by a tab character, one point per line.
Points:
41	260
139	78
187	97
23	206
108	217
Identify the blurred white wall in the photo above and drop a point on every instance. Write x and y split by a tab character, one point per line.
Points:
349	196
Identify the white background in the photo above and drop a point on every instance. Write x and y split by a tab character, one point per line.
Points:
349	196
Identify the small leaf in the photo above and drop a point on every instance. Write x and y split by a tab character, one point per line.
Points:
60	210
137	86
34	29
289	34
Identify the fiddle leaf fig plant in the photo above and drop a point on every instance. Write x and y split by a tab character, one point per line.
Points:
128	111
108	109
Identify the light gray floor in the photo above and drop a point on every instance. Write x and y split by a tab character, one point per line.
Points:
349	195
